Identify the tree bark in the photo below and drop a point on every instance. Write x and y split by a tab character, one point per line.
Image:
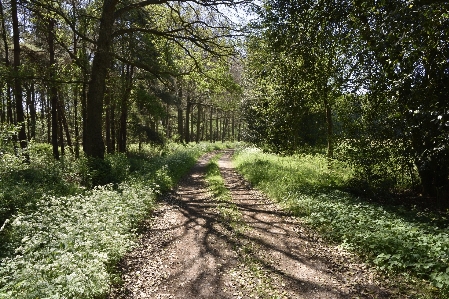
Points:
65	125
20	117
180	124
233	127
8	83
329	124
124	109
94	145
211	133
108	121
216	125
198	123
53	91
187	137
33	114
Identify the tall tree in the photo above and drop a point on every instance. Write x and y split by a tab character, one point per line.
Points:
18	97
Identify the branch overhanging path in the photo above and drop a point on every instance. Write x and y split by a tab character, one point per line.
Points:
188	250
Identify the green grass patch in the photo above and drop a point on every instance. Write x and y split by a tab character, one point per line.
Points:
227	209
67	245
393	238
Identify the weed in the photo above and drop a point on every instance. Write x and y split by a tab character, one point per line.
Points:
393	239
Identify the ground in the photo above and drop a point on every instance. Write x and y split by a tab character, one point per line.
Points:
192	248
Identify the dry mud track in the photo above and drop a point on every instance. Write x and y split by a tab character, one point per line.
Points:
188	250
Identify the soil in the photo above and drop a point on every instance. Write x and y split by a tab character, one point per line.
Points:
188	249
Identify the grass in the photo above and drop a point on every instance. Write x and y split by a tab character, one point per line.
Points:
64	239
412	242
226	208
229	212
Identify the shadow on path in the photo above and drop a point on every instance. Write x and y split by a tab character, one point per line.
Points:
188	251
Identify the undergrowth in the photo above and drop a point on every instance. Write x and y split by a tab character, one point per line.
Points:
395	239
62	238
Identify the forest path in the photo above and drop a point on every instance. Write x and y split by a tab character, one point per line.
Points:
189	250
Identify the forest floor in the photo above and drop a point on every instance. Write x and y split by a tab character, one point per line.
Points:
189	249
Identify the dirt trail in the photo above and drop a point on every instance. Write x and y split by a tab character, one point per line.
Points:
188	250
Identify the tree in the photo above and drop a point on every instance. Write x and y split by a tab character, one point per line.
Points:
379	64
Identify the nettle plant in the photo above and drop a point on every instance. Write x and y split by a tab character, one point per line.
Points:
65	247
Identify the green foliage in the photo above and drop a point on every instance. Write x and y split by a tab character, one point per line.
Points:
395	239
22	184
67	245
380	65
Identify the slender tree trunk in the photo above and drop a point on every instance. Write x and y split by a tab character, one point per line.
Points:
33	114
76	123
27	111
113	127
75	97
216	125
84	109
180	123
122	131
203	124
8	100
94	145
65	125
330	144
61	132
9	117
20	117
124	109
167	122
53	90
108	121
239	134
233	127
48	118
189	105
191	123
211	137
198	123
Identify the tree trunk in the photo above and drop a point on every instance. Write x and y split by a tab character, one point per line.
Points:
124	109
75	98
61	132
65	125
167	123
53	90
187	137
330	143
33	114
108	121
211	133
94	145
180	127
113	128
191	123
20	117
233	127
216	125
198	123
8	82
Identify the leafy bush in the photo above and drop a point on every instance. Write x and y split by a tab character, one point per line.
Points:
394	239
